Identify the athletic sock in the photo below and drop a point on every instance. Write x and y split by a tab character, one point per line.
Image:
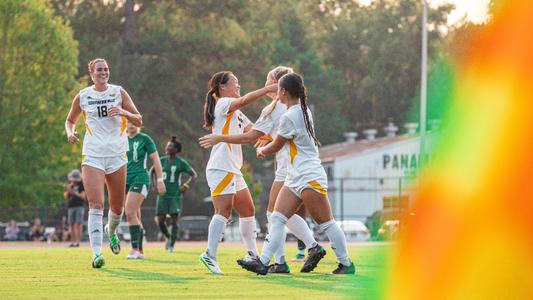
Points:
174	234
279	256
95	228
301	247
249	234
298	226
275	237
338	241
217	226
164	229
134	236
141	238
113	220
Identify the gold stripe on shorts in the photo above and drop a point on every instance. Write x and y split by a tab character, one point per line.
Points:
318	187
223	184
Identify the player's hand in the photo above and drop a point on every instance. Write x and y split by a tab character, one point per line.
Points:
116	111
161	189
209	140
262	141
259	153
184	187
73	138
272	88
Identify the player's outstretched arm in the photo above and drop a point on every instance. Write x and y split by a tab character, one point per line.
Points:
238	103
273	147
249	137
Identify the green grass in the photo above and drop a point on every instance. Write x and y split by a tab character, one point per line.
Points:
60	273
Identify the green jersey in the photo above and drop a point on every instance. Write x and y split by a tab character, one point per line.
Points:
172	170
140	147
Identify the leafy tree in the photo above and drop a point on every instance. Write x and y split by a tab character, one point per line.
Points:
37	74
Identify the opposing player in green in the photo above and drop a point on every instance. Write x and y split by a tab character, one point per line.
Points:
171	202
141	146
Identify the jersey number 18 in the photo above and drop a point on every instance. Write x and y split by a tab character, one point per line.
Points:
102	111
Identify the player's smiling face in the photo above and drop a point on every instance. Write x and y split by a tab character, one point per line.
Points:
231	88
100	74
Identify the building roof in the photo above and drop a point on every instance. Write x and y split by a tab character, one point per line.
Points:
330	153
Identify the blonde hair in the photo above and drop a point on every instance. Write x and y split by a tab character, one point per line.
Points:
93	62
277	72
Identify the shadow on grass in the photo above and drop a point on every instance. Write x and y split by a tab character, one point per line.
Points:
147	276
171	262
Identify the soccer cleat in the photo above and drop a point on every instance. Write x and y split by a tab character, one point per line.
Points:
210	263
299	258
135	254
170	249
253	265
279	269
342	269
114	241
249	256
98	261
314	255
167	245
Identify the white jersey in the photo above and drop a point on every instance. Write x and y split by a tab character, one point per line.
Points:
305	165
224	156
104	136
268	124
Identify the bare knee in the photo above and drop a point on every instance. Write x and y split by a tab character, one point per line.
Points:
224	211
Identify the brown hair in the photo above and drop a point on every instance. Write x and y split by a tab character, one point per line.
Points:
213	87
294	85
90	65
278	72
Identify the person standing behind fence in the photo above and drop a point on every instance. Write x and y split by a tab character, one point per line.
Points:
75	197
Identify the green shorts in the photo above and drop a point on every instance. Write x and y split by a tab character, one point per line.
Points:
138	183
140	188
168	206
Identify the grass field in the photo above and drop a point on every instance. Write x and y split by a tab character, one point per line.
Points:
63	273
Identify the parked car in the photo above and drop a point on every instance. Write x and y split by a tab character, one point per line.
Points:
354	230
194	228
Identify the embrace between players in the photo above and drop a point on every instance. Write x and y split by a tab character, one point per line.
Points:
285	128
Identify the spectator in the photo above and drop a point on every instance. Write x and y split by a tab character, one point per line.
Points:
12	231
75	197
61	231
37	230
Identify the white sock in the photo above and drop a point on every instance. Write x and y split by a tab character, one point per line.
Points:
275	237
249	234
113	220
338	241
298	226
279	256
217	226
95	228
269	214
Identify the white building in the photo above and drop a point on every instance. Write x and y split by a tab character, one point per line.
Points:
368	175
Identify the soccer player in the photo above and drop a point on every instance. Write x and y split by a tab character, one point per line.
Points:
141	146
266	126
223	171
106	108
306	183
170	203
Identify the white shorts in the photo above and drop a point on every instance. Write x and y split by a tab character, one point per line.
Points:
282	164
319	184
107	164
224	183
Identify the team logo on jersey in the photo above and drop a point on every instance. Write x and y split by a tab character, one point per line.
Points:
112	95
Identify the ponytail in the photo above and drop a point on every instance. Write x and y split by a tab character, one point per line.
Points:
308	124
211	97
